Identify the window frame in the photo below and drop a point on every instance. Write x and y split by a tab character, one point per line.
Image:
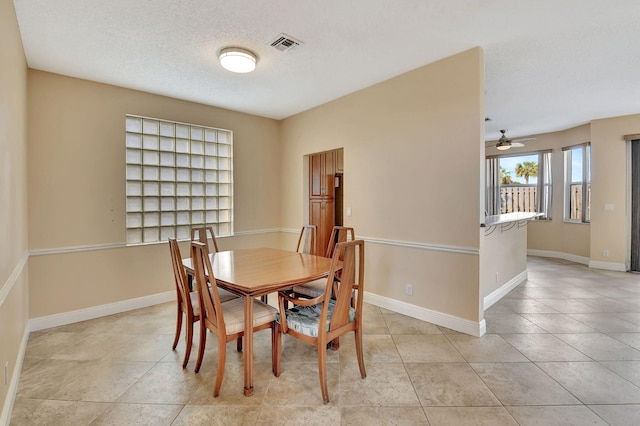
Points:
177	176
585	182
544	185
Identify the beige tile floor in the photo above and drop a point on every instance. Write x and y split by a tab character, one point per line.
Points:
563	348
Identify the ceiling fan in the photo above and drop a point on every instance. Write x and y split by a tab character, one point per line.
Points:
505	143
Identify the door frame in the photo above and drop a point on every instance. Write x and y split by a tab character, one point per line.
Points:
629	206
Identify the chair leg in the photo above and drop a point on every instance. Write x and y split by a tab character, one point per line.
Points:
359	353
239	344
322	371
276	344
189	342
222	355
201	346
178	328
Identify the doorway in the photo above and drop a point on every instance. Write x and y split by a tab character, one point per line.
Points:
325	195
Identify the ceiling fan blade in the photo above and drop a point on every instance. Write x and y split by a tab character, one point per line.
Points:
516	144
521	140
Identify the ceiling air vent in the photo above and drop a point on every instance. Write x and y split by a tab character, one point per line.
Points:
285	43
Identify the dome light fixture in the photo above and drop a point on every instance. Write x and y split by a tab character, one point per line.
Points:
238	60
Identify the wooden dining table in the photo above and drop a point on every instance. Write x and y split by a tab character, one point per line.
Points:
256	272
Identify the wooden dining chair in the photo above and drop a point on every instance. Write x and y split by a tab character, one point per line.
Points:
339	234
315	288
226	320
323	319
307	239
188	301
203	234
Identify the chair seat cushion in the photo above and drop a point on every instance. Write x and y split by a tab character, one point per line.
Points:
233	312
195	303
305	319
312	289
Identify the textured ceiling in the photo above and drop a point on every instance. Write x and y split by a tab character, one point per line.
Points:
549	64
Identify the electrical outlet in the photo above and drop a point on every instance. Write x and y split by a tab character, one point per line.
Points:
409	289
605	253
497	278
6	373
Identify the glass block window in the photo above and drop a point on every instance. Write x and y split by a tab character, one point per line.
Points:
178	176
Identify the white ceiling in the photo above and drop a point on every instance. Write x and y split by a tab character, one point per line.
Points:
549	64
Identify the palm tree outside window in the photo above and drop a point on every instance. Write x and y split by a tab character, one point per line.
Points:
527	169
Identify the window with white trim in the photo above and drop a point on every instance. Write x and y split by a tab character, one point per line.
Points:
577	183
178	176
519	182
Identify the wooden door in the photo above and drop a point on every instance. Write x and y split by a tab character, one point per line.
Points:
316	167
329	173
322	171
321	214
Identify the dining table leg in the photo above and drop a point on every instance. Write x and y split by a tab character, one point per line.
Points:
248	345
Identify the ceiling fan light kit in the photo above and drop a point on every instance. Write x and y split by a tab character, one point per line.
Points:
505	143
238	60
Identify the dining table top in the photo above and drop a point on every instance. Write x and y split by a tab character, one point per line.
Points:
258	271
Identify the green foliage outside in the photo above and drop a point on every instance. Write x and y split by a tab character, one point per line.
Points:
526	170
505	177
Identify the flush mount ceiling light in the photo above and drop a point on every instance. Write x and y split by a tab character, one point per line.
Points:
238	60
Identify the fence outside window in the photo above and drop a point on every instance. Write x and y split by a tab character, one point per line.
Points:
518	198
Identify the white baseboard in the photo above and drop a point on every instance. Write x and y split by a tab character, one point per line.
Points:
559	255
504	289
609	266
445	320
64	318
5	416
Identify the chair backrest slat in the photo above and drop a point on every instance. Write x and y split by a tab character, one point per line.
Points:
209	296
307	240
180	276
351	278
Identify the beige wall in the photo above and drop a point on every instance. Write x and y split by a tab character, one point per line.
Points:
609	229
77	190
412	146
14	293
